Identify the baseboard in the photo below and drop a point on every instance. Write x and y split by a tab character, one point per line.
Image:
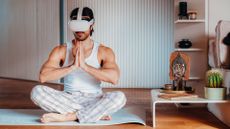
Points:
35	81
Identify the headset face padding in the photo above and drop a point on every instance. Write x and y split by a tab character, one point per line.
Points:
79	25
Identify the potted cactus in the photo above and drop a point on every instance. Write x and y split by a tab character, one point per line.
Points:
214	88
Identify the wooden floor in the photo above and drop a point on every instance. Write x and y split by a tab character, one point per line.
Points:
16	94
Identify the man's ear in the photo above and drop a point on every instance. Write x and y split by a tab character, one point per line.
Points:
91	27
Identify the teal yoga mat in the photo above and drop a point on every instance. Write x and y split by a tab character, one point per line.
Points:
32	116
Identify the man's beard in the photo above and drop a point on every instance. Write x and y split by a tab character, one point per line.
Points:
81	37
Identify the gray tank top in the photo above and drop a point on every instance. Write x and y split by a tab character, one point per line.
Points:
79	80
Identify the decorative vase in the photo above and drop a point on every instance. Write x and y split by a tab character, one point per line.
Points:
215	93
183	10
185	43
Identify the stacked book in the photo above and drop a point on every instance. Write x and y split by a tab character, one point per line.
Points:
177	96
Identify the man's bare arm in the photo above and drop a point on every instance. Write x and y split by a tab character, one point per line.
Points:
109	72
51	69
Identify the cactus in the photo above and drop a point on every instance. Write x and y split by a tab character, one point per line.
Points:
214	79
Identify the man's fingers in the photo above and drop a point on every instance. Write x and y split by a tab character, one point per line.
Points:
80	52
80	47
79	56
76	56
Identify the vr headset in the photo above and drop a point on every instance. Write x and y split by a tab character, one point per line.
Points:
80	25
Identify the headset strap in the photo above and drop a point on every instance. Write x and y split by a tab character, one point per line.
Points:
79	15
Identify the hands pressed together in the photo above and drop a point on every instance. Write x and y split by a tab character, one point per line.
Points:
79	61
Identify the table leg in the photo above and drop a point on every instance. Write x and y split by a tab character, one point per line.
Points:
154	114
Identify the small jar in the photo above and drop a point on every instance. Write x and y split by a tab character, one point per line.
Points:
168	87
192	15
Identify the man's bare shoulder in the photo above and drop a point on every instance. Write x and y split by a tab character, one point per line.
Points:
59	50
105	52
61	47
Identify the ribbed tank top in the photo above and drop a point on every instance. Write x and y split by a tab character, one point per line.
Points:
79	80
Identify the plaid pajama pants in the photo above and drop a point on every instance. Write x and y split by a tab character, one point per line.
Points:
89	107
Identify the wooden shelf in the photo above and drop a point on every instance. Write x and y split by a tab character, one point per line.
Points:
190	21
189	49
197	32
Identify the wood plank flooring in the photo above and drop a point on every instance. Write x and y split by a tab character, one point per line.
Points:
16	94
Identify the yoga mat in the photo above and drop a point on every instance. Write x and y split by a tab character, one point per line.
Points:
32	116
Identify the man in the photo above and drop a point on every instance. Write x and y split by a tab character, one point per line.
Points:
83	63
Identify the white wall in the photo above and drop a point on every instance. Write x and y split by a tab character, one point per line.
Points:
218	10
141	34
29	29
139	31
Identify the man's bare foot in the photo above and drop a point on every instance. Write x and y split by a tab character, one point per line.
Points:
106	118
55	117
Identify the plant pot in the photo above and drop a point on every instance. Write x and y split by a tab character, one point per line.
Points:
215	93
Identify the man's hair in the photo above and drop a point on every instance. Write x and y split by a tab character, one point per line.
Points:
86	12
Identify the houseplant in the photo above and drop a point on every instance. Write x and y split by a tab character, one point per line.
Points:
214	88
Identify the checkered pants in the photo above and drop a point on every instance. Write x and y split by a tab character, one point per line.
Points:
89	107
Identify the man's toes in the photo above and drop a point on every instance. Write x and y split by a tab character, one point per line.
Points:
48	115
106	118
44	115
43	120
46	118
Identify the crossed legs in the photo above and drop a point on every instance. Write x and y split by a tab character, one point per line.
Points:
63	107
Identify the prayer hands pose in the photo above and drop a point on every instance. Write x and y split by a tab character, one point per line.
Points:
79	61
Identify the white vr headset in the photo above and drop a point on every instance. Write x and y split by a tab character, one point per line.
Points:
80	25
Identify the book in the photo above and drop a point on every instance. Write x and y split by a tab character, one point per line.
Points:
177	96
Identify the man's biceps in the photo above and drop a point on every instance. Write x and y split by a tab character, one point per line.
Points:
51	64
110	65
